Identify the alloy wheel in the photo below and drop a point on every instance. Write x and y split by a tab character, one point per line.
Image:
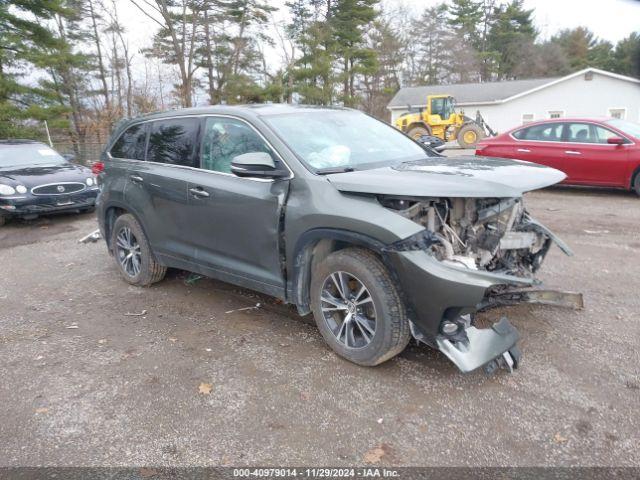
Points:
348	310
128	252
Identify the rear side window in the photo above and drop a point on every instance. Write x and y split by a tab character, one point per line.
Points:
225	138
131	143
547	132
174	141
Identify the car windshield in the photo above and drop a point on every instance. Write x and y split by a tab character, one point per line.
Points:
27	155
630	128
343	139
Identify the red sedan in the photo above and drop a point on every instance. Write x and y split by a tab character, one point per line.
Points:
603	152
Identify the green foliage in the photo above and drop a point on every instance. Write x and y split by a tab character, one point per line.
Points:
510	35
22	42
66	61
627	55
332	39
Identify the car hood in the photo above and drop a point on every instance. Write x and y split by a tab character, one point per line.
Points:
41	174
464	176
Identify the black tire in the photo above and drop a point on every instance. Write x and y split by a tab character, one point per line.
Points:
88	210
150	271
417	132
468	129
3	220
636	184
392	331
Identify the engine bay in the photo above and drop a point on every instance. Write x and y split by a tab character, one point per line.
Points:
492	234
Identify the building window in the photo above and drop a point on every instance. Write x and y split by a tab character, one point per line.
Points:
556	114
620	113
527	118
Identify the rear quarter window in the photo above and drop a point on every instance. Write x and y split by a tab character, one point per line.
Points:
130	145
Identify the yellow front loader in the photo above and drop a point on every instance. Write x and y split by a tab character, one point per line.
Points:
441	120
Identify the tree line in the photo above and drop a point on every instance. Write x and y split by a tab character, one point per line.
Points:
70	62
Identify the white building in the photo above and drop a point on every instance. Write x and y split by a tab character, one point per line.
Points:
504	105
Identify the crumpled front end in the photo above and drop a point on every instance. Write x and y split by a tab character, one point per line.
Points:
471	249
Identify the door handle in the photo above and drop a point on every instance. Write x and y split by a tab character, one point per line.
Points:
136	178
199	192
524	150
572	152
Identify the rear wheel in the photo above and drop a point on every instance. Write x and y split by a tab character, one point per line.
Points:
132	253
417	132
357	307
636	184
469	135
3	220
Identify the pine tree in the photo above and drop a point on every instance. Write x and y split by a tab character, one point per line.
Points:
348	20
510	37
627	55
20	39
429	53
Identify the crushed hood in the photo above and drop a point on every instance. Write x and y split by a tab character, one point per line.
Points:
464	176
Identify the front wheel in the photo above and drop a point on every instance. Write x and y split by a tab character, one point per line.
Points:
132	252
469	135
357	307
636	184
3	220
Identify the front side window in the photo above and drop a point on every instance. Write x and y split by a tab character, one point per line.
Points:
546	132
588	133
442	106
131	143
225	138
174	141
343	139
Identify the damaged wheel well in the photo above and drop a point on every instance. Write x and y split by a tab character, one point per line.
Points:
313	247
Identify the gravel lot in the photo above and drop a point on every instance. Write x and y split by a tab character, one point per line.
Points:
83	383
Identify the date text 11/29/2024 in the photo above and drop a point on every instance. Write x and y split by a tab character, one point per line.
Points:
363	472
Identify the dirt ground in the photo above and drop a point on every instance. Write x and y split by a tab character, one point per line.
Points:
84	382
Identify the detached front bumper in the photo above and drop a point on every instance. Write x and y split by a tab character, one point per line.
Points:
489	347
435	292
30	205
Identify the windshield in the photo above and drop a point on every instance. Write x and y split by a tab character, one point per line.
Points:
630	128
27	155
343	139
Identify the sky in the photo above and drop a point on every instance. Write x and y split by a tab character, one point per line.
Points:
609	19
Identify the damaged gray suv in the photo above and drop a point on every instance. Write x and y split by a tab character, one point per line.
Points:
332	211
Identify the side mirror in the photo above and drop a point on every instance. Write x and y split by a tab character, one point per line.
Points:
616	140
69	157
257	165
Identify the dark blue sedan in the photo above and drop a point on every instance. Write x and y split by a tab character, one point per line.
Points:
36	180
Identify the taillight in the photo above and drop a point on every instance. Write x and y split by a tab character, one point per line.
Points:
97	168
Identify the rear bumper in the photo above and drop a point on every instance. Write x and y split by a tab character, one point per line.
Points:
43	204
